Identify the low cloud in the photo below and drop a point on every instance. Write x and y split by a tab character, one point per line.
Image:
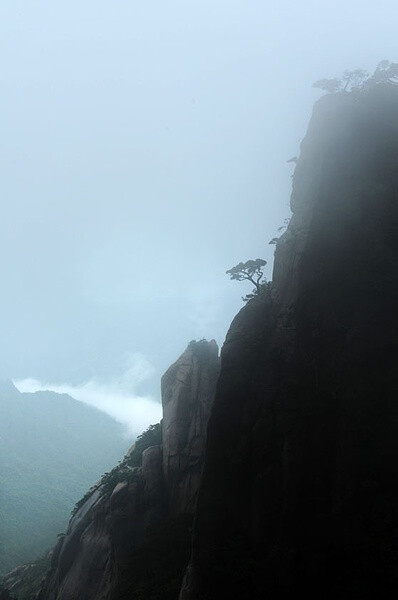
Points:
115	397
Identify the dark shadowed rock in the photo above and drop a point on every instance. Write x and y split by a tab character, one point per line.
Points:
187	395
299	494
133	540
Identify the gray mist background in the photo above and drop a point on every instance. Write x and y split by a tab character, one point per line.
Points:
143	153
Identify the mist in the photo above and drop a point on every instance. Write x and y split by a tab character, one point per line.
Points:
144	151
147	148
117	397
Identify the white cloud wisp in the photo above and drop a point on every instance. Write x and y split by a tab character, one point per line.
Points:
115	398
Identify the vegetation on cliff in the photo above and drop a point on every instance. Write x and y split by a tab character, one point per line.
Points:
252	271
359	79
126	469
25	581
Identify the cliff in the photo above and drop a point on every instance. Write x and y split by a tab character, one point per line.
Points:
130	536
299	493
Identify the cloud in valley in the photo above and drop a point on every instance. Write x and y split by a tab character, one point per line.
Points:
116	397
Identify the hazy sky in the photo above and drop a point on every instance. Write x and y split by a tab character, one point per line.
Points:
143	153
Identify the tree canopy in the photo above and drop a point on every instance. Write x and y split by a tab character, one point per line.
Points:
358	79
251	270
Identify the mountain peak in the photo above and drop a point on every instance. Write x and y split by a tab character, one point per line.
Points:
8	388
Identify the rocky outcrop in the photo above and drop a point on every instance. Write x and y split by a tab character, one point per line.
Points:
131	536
187	396
299	493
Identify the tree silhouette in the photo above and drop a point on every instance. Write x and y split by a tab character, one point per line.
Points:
329	85
354	79
358	79
251	270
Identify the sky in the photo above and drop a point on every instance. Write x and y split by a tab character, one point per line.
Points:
144	150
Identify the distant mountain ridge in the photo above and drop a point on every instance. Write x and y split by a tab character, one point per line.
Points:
52	448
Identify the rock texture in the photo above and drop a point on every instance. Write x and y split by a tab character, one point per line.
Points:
133	540
187	396
299	495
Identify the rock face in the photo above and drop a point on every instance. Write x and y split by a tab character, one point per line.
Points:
299	495
187	396
133	539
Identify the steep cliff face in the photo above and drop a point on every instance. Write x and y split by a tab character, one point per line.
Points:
187	396
299	494
131	539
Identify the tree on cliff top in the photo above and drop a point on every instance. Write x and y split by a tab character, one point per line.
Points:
350	80
358	79
251	270
328	85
